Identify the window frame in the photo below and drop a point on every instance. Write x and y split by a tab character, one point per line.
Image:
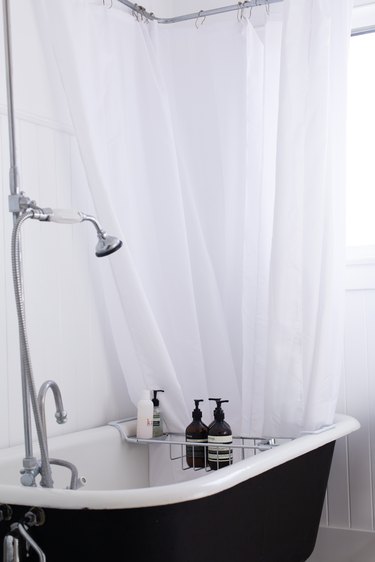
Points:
360	260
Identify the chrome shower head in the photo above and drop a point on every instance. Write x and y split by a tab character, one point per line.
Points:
107	245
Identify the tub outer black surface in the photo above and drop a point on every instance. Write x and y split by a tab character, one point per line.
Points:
273	517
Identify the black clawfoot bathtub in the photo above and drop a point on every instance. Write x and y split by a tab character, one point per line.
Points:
265	508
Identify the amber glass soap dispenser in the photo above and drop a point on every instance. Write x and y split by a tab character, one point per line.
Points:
219	433
196	432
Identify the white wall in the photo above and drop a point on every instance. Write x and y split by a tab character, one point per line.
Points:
69	337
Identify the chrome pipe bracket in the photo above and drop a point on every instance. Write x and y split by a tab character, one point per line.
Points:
18	202
29	474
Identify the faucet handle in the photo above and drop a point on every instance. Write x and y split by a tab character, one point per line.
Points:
81	481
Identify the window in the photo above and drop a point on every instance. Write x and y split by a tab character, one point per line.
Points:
360	215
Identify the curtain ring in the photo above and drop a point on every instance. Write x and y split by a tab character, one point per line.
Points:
199	16
240	12
243	6
142	14
139	13
250	11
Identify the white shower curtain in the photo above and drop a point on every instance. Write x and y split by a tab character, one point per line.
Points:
216	152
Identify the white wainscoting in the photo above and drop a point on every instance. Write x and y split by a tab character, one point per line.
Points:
347	532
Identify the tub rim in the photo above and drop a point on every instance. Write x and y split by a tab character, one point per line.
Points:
209	484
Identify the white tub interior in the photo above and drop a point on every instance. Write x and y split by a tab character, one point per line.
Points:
100	455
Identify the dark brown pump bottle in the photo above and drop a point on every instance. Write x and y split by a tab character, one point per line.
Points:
195	433
219	435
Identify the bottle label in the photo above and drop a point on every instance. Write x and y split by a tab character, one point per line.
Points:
144	428
157	430
218	453
145	421
193	450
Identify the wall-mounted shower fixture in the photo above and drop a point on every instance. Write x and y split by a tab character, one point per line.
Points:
27	209
106	244
24	208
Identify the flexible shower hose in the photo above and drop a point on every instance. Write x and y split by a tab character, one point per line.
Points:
46	475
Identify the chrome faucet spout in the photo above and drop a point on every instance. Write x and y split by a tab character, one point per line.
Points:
60	415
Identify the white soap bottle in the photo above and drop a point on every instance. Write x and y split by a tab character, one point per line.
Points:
145	413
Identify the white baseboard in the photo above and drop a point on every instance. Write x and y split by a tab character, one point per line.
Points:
344	545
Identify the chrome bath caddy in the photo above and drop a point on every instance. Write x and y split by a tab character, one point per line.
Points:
242	447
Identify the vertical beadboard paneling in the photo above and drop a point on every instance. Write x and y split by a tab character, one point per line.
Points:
40	267
350	494
370	339
360	477
66	281
13	383
337	512
84	240
4	409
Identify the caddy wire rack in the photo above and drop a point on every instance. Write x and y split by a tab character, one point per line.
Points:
241	447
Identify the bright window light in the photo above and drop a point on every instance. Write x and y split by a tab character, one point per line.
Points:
360	214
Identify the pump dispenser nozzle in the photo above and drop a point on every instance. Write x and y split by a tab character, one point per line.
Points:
215	410
155	399
196	413
219	412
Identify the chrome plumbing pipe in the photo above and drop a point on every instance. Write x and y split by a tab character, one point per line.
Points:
13	171
30	470
29	462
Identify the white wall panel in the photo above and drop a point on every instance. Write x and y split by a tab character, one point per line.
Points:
350	495
370	344
356	374
4	409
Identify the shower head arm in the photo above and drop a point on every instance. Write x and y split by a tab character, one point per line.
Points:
100	232
20	203
68	216
106	244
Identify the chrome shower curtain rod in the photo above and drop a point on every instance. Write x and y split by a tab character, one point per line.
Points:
142	12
